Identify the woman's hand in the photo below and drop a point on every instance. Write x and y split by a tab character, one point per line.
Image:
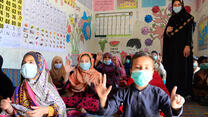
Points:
6	106
38	111
169	29
186	51
101	89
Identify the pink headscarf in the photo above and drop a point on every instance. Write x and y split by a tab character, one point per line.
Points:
122	70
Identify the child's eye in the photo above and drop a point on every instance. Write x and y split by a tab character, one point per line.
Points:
31	62
147	68
138	67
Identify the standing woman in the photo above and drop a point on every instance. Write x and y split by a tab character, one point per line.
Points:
36	95
177	49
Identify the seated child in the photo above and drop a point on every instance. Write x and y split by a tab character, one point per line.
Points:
140	99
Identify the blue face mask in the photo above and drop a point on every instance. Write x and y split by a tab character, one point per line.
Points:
58	66
203	66
155	58
108	62
177	9
85	66
127	61
29	70
141	77
194	65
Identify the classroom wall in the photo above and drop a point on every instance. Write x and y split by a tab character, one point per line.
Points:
201	32
61	26
148	23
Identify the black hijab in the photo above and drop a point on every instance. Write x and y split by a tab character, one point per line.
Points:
179	19
6	87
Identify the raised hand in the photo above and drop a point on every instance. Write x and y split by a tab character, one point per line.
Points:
101	89
177	101
68	67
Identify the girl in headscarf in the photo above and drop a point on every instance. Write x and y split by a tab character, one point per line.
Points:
58	72
36	95
111	70
117	62
82	94
127	65
177	49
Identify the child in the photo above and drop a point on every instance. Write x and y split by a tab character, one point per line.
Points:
140	98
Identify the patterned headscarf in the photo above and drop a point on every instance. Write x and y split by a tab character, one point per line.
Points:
80	78
38	91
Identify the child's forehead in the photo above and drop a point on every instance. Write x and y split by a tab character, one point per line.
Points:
144	60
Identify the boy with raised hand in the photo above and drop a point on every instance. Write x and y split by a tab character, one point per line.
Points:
140	99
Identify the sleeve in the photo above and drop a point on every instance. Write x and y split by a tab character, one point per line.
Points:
163	71
112	104
165	105
189	33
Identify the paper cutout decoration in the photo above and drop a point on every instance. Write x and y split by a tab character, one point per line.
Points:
102	44
148	18
148	42
203	33
123	54
145	30
86	26
67	38
134	43
114	43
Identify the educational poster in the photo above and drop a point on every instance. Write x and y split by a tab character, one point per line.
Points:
113	24
44	26
103	5
151	3
87	3
71	3
203	33
127	4
10	23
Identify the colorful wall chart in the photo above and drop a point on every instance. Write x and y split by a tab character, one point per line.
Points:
151	3
203	33
127	4
10	22
103	5
71	3
44	26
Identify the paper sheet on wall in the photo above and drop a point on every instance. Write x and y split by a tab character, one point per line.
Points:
127	4
103	5
44	26
87	3
10	23
151	3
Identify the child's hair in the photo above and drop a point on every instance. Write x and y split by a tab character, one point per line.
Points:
141	54
201	58
154	51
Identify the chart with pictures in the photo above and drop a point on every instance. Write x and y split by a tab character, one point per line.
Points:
10	23
44	26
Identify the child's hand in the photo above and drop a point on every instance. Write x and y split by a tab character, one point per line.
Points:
100	87
38	111
177	101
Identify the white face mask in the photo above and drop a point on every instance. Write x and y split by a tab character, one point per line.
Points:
177	9
29	70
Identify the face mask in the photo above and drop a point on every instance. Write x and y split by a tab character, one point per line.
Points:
85	66
141	77
108	62
155	58
58	66
203	66
127	61
29	70
177	9
195	65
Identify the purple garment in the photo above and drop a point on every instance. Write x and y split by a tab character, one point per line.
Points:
111	71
